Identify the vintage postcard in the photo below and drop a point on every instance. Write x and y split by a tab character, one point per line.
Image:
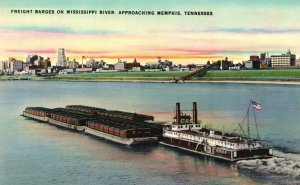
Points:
149	92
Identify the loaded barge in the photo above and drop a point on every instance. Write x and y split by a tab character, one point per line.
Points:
122	127
191	136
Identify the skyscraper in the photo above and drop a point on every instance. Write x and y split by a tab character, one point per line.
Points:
61	58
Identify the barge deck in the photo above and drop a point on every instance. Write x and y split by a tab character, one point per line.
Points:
121	127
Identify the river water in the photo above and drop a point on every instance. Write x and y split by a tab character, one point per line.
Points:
38	153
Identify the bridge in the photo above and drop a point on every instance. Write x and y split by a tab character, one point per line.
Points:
188	76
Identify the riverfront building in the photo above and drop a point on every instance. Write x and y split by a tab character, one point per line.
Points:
72	64
47	63
95	64
3	66
16	65
298	62
253	63
121	65
61	58
134	66
35	60
283	60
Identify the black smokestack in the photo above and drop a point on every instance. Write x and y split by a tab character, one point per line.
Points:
195	116
178	113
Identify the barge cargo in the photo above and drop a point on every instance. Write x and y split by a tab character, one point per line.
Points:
122	127
191	136
122	131
37	113
59	117
111	113
69	119
121	140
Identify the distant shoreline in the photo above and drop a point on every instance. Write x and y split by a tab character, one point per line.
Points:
169	81
247	82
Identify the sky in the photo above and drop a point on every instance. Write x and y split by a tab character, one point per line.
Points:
237	29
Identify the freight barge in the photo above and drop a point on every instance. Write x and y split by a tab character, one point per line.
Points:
122	127
59	117
69	119
191	136
124	134
37	113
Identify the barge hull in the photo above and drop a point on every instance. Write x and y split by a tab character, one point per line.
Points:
39	118
126	141
65	125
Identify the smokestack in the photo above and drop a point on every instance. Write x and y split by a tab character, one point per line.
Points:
195	116
178	113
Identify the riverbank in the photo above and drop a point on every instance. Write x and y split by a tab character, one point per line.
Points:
247	82
167	80
290	77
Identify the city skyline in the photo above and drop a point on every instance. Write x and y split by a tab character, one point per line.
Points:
236	30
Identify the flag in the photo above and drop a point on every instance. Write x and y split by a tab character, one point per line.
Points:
256	105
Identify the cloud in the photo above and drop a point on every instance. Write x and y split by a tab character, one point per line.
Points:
53	29
187	50
253	30
28	51
85	52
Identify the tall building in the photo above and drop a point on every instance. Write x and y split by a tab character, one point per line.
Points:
61	58
16	65
287	59
254	58
253	63
3	65
47	63
27	66
73	64
35	60
263	57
